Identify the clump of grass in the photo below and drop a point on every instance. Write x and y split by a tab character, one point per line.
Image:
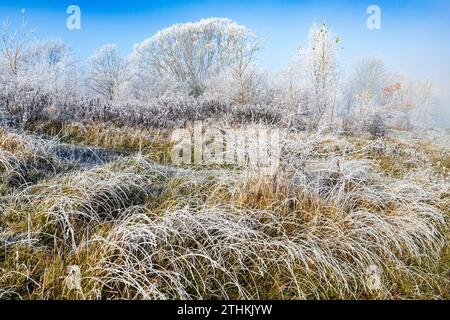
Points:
224	252
154	143
61	208
26	159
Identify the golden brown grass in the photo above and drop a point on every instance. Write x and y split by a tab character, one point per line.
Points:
337	207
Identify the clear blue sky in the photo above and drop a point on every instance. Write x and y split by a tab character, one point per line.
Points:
414	37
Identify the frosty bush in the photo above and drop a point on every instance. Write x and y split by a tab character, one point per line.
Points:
375	125
33	105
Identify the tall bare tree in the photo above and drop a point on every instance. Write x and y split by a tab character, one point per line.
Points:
245	46
364	93
319	63
107	72
14	46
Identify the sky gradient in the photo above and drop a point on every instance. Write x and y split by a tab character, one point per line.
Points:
413	39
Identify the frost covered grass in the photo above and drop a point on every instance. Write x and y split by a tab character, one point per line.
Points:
92	207
26	159
343	218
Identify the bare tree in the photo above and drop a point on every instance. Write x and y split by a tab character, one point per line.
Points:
410	103
14	46
319	63
245	46
48	52
364	94
370	75
51	65
107	72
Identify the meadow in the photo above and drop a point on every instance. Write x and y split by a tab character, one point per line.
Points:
93	207
106	201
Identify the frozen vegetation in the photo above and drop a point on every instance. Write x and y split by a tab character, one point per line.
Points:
92	207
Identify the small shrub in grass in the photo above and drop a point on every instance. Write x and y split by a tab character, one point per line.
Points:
375	125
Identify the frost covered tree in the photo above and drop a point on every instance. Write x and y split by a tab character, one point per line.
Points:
410	103
146	85
48	52
252	89
371	76
319	67
52	66
14	46
107	72
245	74
364	94
287	86
426	103
193	53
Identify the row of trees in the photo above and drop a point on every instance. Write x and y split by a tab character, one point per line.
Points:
217	57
